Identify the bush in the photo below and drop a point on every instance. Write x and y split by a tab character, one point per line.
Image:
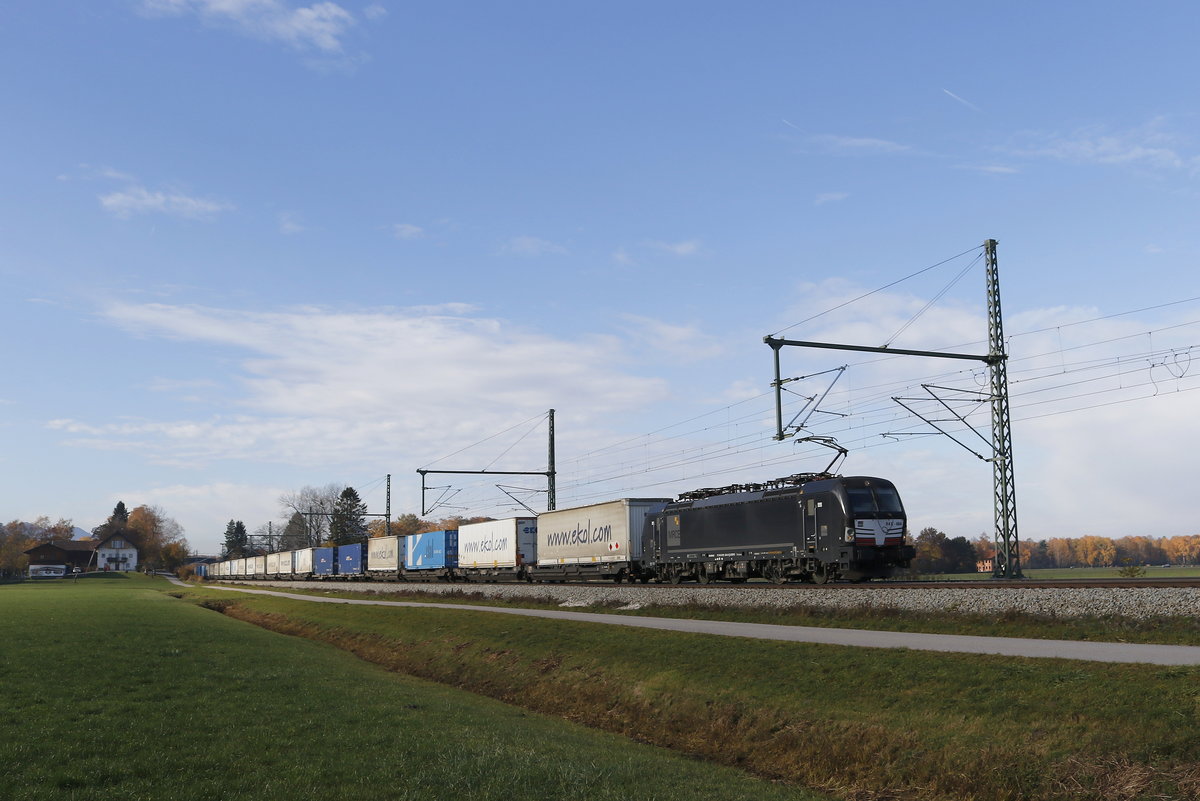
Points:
1131	570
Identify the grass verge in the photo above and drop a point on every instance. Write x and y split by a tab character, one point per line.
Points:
859	722
115	690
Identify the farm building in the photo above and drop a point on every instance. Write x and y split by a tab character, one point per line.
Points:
113	552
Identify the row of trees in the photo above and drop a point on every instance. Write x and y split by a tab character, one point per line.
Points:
159	538
1093	551
938	553
326	515
17	536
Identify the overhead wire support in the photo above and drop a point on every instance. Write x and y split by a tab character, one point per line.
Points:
811	404
1008	552
550	473
1007	563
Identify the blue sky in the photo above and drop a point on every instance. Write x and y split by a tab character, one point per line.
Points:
253	245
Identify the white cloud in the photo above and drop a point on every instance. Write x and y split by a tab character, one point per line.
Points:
407	231
830	197
672	342
690	247
992	169
89	173
375	11
138	200
621	256
288	224
858	144
320	26
1151	145
533	246
208	507
316	386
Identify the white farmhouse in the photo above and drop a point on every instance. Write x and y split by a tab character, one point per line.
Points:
116	552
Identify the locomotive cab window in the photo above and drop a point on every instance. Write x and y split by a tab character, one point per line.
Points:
874	499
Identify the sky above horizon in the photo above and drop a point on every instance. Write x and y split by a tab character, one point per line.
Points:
254	245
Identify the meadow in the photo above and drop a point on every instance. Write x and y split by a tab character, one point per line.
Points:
114	689
859	724
166	692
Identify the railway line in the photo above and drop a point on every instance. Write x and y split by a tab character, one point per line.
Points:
1104	598
985	584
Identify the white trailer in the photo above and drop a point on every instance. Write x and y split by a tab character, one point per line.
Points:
302	562
385	556
602	540
499	548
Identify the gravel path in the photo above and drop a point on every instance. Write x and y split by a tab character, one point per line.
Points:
1130	602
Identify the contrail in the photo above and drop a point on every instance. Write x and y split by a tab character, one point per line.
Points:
966	103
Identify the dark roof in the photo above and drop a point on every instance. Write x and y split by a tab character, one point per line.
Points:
125	535
66	545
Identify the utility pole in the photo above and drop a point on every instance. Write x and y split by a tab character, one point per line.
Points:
387	519
1008	553
550	473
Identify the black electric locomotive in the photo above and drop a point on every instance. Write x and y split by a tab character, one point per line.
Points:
809	527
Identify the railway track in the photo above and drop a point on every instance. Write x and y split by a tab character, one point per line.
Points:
984	584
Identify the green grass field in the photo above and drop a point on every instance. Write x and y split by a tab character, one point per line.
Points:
132	688
114	689
866	724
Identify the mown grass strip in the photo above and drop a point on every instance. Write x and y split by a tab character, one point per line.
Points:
114	689
871	724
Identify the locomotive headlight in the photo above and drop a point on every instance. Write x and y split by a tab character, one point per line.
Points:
849	534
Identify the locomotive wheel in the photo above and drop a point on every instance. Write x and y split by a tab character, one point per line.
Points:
702	575
821	575
675	576
774	574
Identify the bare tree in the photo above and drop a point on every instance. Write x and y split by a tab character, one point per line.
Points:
316	504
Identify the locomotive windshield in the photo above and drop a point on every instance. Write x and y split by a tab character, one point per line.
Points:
873	500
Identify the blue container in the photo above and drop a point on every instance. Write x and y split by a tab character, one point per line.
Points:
350	560
433	550
201	570
323	561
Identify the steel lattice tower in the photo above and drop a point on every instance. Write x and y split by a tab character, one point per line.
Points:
1008	557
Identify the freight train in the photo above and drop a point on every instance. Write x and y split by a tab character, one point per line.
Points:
812	527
